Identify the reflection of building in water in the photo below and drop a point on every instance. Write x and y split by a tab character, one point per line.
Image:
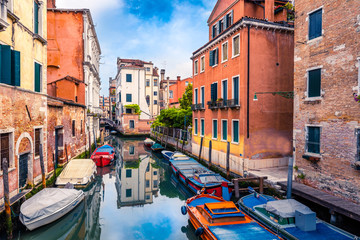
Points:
128	150
137	181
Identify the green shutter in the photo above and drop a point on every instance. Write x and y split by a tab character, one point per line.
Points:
5	74
211	58
212	92
236	90
315	24
225	90
314	86
37	77
203	96
128	78
313	144
224	128
235	131
36	18
196	126
15	68
214	128
216	60
202	127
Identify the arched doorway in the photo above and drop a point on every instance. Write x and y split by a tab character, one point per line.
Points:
24	153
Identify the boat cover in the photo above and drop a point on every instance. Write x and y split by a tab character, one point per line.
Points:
244	231
285	208
46	203
77	172
157	146
105	149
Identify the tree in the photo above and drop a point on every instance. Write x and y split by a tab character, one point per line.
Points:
186	100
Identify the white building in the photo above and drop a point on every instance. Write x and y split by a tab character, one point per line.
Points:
152	83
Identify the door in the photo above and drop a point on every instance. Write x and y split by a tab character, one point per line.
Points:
23	169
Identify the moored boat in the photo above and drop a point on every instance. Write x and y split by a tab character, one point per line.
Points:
157	147
148	142
48	205
167	154
290	218
215	218
78	172
103	156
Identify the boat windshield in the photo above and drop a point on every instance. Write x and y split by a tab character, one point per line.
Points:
210	178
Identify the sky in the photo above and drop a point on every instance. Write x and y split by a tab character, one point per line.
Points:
165	32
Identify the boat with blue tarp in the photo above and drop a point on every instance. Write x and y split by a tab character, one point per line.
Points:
215	218
157	147
167	154
292	219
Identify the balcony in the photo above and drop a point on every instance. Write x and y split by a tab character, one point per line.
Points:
233	103
198	106
224	104
212	105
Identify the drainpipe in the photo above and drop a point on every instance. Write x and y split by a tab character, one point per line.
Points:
248	82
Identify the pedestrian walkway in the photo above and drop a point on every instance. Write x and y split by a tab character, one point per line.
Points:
274	175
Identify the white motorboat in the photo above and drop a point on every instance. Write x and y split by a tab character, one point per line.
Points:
48	205
79	172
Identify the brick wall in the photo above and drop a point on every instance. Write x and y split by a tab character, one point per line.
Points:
140	126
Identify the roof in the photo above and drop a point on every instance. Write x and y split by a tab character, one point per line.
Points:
68	78
135	62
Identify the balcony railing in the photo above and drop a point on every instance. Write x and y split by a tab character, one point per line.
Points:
212	105
198	106
233	103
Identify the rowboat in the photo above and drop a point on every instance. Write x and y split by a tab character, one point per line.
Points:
167	154
290	218
103	156
215	218
148	142
173	155
48	205
197	177
157	147
78	172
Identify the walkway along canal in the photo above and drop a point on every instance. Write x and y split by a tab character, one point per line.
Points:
135	198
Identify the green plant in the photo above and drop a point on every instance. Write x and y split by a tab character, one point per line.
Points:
135	107
296	168
290	11
219	99
301	176
88	111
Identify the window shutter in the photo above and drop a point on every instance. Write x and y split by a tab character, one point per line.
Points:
15	68
314	86
236	131
315	24
211	58
224	130
225	90
5	75
36	18
236	90
212	92
215	91
128	77
216	61
37	77
232	17
225	22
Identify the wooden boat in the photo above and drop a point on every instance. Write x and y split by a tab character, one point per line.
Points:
167	154
179	156
103	156
148	142
215	218
290	218
78	172
48	205
157	147
197	177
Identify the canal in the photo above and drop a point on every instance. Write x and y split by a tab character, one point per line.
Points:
135	198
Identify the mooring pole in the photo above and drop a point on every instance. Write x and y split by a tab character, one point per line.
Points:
210	146
228	159
290	177
201	144
42	166
183	139
90	151
7	198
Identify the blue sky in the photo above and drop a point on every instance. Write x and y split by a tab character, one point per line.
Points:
165	32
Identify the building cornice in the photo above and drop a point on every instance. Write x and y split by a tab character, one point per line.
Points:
242	23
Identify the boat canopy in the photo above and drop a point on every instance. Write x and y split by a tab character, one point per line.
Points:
77	172
105	149
46	203
286	208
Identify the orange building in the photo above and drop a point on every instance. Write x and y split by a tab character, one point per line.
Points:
250	50
177	90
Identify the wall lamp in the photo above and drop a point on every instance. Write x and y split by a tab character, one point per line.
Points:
288	95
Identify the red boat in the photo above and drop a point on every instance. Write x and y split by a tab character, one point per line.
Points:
103	156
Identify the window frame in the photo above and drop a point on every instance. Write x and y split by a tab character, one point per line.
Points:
171	94
40	75
126	77
217	126
202	128
227	89
126	193
233	55
202	96
147	83
233	89
307	136
232	131
128	175
196	70
196	95
11	162
130	124
222	52
129	94
202	64
222	130
308	81
41	141
309	22
216	57
196	126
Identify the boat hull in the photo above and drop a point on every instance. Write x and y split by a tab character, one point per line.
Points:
103	158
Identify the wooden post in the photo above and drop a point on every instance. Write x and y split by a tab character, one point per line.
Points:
201	144
261	185
42	166
102	136
167	137
210	147
90	150
66	152
236	183
183	139
177	142
7	198
228	159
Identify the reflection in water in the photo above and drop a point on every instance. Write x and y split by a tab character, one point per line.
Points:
135	198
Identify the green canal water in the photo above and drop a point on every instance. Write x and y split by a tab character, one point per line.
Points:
135	198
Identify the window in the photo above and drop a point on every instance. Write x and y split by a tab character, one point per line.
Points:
314	83
148	99
224	52
358	144
9	66
119	96
155	93
4	148
128	110
148	82
202	64
155	183
313	140
147	183
224	130
236	90
229	19
148	69
73	128
131	124
155	102
147	195
214	92
37	142
128	192
214	57
214	128
315	24
202	127
131	150
235	131
214	31
155	82
187	83
236	46
36	17
224	90
128	78
128	173
171	94
202	89
128	97
195	126
155	173
196	96
37	77
220	26
196	67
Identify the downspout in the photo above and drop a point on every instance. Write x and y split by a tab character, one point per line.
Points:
248	82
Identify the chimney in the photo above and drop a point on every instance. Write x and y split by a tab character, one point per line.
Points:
178	78
51	3
269	10
162	73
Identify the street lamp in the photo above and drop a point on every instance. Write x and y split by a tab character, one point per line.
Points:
285	94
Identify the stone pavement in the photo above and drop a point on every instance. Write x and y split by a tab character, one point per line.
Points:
274	175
